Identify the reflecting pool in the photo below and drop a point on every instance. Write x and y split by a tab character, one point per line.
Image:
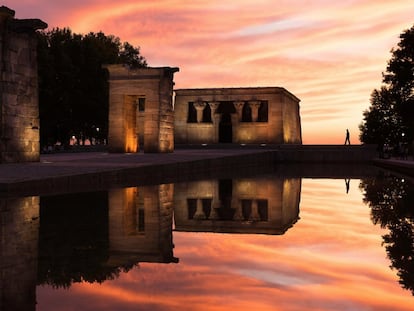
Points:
264	242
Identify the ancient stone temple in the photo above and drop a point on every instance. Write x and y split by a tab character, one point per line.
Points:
19	109
257	115
141	108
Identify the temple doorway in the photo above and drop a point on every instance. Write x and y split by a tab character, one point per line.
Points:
130	123
225	109
225	129
225	189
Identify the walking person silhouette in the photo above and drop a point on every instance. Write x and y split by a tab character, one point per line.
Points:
347	140
347	182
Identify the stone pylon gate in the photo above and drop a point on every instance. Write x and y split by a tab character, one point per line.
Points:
19	106
141	107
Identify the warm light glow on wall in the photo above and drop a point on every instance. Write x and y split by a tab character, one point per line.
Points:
287	133
287	186
245	136
131	144
130	213
131	137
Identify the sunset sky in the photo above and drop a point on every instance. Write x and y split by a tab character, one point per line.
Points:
330	54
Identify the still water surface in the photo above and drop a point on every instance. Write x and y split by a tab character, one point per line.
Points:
257	243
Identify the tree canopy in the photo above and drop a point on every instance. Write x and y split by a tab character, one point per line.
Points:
73	87
390	118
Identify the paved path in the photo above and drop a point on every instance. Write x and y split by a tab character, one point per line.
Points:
62	164
66	169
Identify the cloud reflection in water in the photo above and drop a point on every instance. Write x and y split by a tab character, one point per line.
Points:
331	259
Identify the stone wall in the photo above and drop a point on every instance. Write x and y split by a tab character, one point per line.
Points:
130	90
267	115
292	133
19	112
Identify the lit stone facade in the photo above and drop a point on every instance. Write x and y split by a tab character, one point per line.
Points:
237	115
244	205
140	224
19	107
145	90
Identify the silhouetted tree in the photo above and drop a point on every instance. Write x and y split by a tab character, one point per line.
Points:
391	201
382	122
400	77
392	107
74	240
73	88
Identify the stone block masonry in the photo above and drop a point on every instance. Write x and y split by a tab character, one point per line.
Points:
19	107
245	115
140	109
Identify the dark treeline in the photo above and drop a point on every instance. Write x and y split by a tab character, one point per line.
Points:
73	86
74	241
390	118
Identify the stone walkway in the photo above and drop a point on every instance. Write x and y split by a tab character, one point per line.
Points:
76	170
60	164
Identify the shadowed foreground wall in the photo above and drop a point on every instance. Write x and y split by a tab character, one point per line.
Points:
19	108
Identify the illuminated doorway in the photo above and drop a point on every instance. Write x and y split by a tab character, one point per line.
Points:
130	123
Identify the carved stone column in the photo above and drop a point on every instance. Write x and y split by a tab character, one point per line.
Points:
236	205
234	119
215	204
239	108
216	122
213	109
254	215
199	213
255	105
199	106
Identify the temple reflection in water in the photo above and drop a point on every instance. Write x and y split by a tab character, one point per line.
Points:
140	224
61	239
259	205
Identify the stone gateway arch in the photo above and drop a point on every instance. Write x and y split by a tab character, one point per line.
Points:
141	109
